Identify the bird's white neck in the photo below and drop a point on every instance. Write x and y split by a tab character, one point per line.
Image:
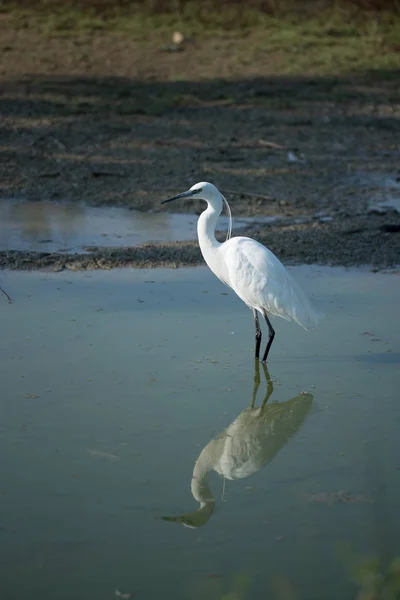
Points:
200	489
206	227
202	493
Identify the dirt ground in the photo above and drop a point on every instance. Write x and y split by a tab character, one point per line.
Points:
107	120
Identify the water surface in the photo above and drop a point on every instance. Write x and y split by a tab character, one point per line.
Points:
48	226
114	385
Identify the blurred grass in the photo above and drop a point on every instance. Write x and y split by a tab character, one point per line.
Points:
370	577
312	36
341	19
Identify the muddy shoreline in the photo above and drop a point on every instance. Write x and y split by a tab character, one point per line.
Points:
370	241
130	127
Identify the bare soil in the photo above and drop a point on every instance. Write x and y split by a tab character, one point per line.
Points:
108	120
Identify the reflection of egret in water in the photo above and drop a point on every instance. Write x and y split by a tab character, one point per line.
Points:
249	443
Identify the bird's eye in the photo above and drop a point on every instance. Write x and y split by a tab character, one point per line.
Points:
199	190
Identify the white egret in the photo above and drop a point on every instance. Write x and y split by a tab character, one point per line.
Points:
250	269
246	446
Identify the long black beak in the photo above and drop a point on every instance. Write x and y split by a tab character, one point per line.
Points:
183	195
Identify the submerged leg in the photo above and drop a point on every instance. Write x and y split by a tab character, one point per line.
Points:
271	335
256	382
258	333
270	385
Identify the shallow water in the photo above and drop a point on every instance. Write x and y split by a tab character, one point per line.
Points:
112	385
46	226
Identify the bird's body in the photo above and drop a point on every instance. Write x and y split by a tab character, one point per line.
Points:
260	280
250	269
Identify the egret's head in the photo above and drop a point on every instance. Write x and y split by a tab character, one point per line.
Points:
204	190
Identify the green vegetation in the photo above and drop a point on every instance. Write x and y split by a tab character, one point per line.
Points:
315	38
371	578
342	19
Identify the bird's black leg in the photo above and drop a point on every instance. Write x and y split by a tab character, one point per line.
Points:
258	333
271	335
270	385
256	382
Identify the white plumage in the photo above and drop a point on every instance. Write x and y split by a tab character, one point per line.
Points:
262	282
245	447
250	269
